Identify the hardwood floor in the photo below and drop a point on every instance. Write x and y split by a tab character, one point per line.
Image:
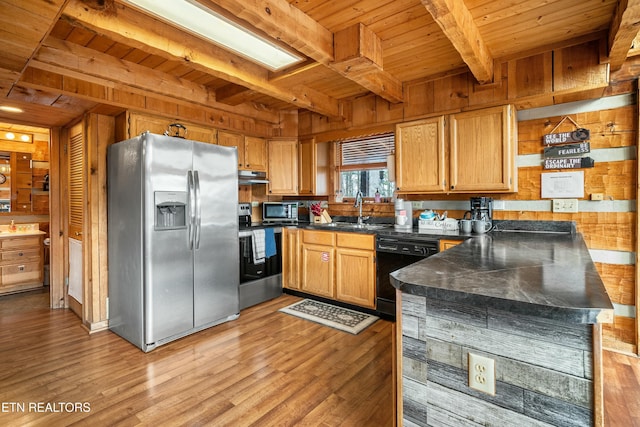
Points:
264	369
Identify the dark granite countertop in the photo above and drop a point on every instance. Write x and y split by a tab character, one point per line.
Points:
542	274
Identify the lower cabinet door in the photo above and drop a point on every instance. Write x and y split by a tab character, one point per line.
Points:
318	270
355	277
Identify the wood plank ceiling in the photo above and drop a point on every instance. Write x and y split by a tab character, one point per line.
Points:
51	49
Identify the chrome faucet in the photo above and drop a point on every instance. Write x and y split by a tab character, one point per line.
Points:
358	204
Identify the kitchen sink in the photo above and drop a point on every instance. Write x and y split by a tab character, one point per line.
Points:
351	225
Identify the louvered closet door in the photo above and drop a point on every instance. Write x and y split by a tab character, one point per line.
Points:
75	151
75	159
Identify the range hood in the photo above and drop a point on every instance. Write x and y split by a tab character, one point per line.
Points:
252	177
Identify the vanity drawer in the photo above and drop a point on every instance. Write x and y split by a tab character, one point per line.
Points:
21	254
20	242
19	273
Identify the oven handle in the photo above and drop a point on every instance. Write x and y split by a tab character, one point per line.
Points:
387	248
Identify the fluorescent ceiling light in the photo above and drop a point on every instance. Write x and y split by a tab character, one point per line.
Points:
195	18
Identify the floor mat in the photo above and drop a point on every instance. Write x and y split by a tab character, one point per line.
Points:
330	315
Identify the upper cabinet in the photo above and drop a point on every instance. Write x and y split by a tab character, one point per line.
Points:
313	167
252	151
420	155
483	145
283	166
136	123
255	153
476	153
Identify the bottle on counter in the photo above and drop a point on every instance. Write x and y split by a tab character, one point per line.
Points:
377	196
12	226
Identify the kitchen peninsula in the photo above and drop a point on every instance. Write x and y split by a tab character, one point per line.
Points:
532	302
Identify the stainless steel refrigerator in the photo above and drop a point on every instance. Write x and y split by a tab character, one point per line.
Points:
172	238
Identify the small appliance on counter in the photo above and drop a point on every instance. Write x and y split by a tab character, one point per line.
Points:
404	215
280	212
482	208
244	214
481	215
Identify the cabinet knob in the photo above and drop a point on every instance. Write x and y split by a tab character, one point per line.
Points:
20	254
78	233
21	268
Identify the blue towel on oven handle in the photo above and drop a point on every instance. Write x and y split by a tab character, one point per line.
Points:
269	243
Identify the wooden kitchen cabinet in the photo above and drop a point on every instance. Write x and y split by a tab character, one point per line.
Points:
356	269
483	150
448	244
21	265
283	166
291	258
252	151
336	265
420	156
475	153
138	123
317	260
230	139
313	167
255	153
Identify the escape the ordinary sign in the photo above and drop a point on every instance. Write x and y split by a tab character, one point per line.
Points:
569	163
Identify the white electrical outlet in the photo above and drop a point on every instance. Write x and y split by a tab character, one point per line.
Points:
565	205
482	374
416	205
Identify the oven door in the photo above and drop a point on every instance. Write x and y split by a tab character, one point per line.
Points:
248	270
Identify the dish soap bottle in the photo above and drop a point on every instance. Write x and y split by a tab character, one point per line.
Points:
12	226
377	196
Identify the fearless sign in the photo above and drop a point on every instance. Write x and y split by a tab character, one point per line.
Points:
578	135
567	150
569	163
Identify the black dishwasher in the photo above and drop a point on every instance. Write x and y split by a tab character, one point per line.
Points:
393	253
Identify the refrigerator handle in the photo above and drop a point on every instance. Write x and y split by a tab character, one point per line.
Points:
196	180
192	208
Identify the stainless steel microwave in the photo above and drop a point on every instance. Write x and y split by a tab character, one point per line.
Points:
281	212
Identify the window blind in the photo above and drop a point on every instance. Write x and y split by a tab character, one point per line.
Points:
365	153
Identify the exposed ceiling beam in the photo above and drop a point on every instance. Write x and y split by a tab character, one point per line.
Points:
133	28
623	30
73	60
458	25
282	21
233	94
358	52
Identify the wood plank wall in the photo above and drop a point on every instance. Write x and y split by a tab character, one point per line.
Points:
608	226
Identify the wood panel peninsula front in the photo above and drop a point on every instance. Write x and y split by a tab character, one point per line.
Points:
532	303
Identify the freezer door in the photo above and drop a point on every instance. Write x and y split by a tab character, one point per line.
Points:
216	265
168	260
